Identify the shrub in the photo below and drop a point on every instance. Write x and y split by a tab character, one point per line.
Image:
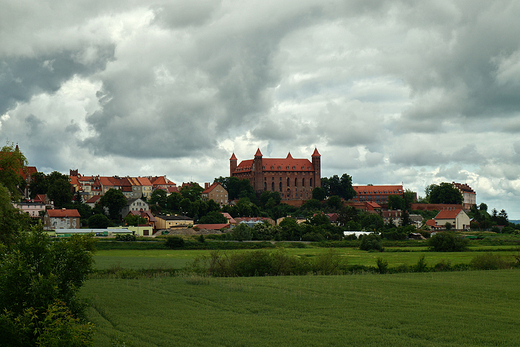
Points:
329	263
313	237
421	265
382	265
371	242
489	261
126	237
174	242
443	265
447	242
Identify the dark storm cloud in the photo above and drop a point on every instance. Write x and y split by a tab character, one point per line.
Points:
23	77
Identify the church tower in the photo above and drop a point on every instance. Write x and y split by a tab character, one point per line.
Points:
258	172
316	162
232	164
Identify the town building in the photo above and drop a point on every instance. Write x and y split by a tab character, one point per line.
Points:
455	216
173	222
377	194
216	193
61	219
469	196
293	178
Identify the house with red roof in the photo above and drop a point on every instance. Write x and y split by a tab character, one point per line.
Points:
61	219
293	178
215	192
455	216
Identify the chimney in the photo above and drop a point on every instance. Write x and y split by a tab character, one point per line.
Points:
206	185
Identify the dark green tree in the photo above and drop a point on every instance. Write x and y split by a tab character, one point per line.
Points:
341	187
134	220
447	241
12	220
39	184
159	198
334	202
319	194
395	202
98	221
213	217
192	191
444	193
114	200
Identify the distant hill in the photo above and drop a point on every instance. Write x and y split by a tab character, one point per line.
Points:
516	221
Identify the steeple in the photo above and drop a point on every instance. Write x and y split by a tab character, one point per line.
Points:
316	153
289	156
232	164
258	153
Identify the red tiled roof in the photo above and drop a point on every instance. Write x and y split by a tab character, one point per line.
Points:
63	213
93	199
258	153
233	157
430	222
211	187
229	218
448	214
144	181
316	153
39	198
105	181
277	164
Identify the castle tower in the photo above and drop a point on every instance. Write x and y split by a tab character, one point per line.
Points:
316	162
258	172
232	164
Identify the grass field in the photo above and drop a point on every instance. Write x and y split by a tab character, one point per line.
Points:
145	259
469	308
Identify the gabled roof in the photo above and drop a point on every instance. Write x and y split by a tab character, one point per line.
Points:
277	164
448	214
63	213
39	198
93	199
211	187
144	181
161	181
229	218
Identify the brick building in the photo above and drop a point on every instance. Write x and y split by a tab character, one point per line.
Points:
293	178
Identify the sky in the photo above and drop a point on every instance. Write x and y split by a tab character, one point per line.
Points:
389	92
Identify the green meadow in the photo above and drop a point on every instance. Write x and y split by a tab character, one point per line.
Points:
467	308
148	259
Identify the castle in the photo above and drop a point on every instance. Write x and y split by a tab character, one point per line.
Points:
293	178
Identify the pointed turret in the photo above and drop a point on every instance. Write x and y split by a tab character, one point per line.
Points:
289	156
232	164
316	163
258	153
316	153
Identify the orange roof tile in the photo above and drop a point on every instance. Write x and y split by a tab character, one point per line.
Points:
277	164
386	189
316	153
63	213
233	157
448	214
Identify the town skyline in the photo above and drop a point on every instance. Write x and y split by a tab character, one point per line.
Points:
389	92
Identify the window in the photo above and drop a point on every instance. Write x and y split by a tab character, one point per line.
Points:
287	167
310	183
288	183
296	182
281	187
303	182
272	186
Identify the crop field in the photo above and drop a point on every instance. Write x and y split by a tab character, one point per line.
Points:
468	308
146	259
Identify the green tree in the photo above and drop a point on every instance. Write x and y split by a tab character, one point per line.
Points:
213	217
59	189
39	184
49	272
371	242
98	221
447	241
334	202
318	193
395	202
192	191
241	233
12	163
341	187
114	200
159	198
444	193
134	220
12	220
173	201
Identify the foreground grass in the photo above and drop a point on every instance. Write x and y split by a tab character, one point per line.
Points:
471	308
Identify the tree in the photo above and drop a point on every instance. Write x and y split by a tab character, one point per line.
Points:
318	193
12	164
60	192
98	221
213	217
371	242
341	187
12	220
444	193
447	241
50	273
334	202
39	184
134	220
114	200
159	198
395	202
192	191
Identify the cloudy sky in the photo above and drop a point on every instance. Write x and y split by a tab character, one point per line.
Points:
390	92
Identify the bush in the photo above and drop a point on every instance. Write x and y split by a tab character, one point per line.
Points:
382	265
489	261
447	242
126	237
371	242
174	242
314	237
421	265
